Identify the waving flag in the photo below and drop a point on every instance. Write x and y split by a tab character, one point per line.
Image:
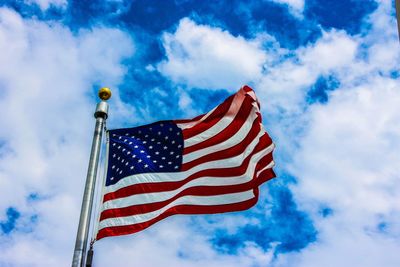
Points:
213	163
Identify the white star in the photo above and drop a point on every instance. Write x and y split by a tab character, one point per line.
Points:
114	155
169	162
151	147
165	147
178	133
123	150
128	152
120	172
154	161
148	156
166	138
119	137
126	164
152	139
163	158
150	128
114	144
161	124
145	165
171	153
133	156
177	156
119	147
114	134
122	160
179	146
161	166
125	140
157	152
136	146
126	134
139	160
170	129
112	178
133	136
144	142
172	142
141	151
139	131
158	143
132	167
146	135
113	167
130	143
119	158
117	169
159	133
176	167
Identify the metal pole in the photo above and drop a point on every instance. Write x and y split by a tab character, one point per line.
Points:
100	114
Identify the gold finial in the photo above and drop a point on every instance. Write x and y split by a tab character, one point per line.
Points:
105	93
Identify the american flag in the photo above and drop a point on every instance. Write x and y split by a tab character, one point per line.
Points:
213	163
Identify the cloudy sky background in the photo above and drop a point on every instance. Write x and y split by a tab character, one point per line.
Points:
328	79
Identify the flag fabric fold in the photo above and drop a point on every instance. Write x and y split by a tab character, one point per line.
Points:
213	163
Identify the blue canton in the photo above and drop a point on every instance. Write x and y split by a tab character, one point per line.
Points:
156	147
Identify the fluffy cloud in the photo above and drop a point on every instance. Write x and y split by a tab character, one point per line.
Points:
346	160
347	163
46	84
285	84
207	57
296	6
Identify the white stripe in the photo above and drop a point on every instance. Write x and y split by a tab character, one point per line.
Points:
185	125
220	125
179	176
146	198
230	142
252	94
269	166
186	200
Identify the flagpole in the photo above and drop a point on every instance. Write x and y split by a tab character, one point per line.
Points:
100	114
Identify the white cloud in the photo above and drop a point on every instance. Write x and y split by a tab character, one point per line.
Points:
348	162
347	156
46	124
206	57
174	243
295	6
285	84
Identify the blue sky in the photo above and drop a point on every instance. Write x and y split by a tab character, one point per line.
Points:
326	74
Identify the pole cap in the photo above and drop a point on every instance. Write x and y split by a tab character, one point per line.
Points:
105	93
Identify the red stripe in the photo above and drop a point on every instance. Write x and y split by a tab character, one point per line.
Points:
180	209
193	191
264	176
190	120
264	142
229	131
247	88
207	123
229	152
